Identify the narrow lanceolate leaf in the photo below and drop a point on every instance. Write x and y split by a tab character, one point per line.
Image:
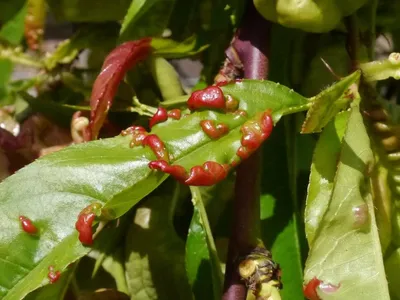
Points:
168	48
155	254
87	37
329	102
202	263
166	78
52	191
392	266
382	69
323	170
151	15
114	68
345	257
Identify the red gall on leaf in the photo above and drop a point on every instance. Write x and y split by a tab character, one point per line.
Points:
85	221
208	174
178	172
211	97
175	114
310	289
254	132
27	225
84	227
160	116
157	146
212	130
114	68
53	275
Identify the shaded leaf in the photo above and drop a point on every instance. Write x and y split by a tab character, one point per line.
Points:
114	264
87	37
155	254
202	263
6	68
104	294
114	68
172	49
392	265
345	255
280	228
166	77
88	10
151	15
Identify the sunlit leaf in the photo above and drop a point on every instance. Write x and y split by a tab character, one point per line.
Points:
323	170
54	189
328	103
345	258
114	68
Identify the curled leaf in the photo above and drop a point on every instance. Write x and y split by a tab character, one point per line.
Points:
114	68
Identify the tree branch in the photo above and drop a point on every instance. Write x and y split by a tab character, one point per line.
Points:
251	45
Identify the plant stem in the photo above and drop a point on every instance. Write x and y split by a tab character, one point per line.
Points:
17	56
250	43
353	41
216	272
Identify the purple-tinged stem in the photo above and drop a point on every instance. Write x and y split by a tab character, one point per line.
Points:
251	45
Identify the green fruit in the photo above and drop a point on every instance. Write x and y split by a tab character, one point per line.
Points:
89	10
308	15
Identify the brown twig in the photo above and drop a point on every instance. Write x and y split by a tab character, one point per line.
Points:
251	45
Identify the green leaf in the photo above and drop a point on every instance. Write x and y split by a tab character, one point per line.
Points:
202	262
219	18
166	77
168	48
327	104
323	170
146	18
54	189
12	30
392	265
6	68
86	37
382	69
345	254
114	264
155	254
53	291
88	10
280	228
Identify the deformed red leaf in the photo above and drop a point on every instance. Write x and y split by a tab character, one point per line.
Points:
114	68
